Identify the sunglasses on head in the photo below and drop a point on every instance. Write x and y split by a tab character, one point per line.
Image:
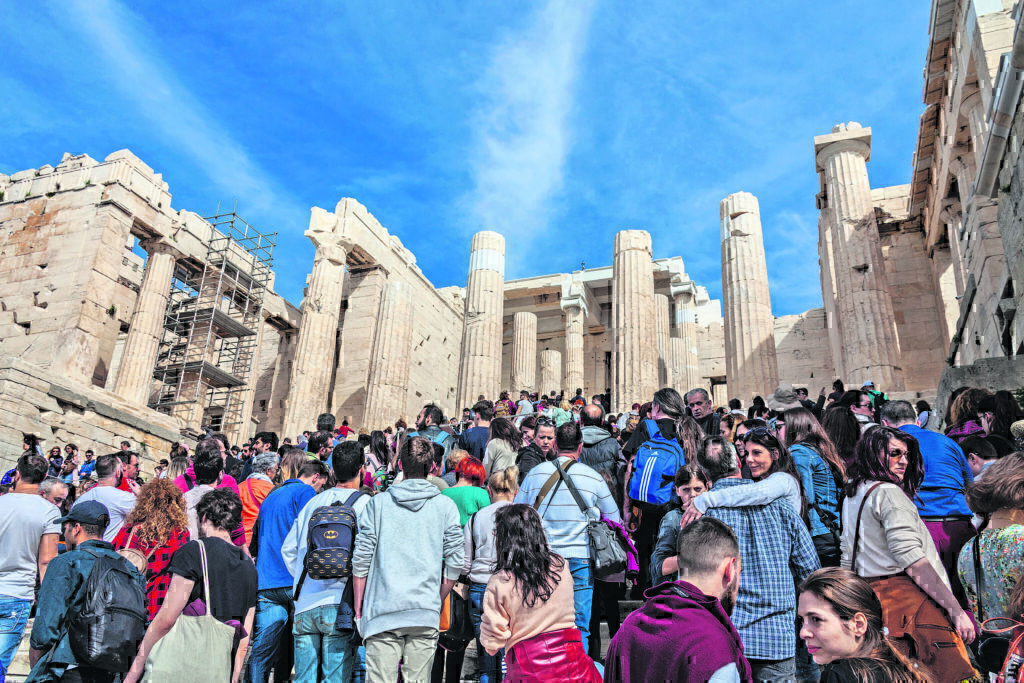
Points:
547	421
760	431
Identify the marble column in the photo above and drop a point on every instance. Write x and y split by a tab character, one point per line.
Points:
135	375
634	351
575	310
480	363
751	365
524	352
977	123
870	346
550	372
685	357
318	331
388	389
661	334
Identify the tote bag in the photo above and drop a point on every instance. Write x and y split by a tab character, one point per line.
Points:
195	649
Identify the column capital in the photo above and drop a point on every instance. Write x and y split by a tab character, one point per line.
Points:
680	289
161	245
575	301
845	137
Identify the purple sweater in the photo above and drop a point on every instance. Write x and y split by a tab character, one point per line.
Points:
679	634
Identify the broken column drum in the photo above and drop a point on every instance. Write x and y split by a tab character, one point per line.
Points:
634	352
750	357
480	364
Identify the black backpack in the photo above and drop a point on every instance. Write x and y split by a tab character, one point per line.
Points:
329	542
106	632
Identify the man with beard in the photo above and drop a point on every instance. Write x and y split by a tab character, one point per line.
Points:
777	554
699	403
110	473
428	425
683	631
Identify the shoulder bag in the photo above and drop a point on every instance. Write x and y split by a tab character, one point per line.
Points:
196	648
607	554
992	647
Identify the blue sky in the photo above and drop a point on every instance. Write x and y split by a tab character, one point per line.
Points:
556	123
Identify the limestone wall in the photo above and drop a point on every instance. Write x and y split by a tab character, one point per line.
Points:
803	349
58	412
916	308
711	342
1011	228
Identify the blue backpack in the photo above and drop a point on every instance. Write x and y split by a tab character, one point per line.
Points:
655	467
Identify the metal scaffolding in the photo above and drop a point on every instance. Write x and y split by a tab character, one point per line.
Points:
211	328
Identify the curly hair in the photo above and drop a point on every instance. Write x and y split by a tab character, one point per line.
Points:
159	510
522	550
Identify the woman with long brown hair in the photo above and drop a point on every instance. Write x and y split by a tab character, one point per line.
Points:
528	607
886	542
503	446
965	414
156	527
822	474
844	632
843	431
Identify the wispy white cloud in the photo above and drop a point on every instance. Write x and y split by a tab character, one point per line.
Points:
148	81
523	125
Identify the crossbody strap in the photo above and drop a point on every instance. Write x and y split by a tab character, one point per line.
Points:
546	488
979	579
856	532
572	487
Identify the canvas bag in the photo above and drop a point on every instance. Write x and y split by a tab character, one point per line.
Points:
195	649
607	552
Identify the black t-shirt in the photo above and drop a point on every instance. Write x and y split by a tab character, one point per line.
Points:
233	577
840	671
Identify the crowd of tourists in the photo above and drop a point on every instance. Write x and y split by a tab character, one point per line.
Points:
848	537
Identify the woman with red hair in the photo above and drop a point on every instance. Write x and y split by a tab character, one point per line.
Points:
468	493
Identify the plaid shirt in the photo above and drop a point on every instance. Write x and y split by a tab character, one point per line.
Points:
157	578
776	553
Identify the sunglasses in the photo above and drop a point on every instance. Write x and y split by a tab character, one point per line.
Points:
546	421
760	431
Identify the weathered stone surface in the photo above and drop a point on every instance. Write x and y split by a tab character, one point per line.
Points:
751	363
868	343
389	374
524	352
635	357
550	372
480	369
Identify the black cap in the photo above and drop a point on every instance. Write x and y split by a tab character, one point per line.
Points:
88	512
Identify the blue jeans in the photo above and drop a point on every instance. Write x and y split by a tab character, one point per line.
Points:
13	617
582	595
489	665
322	652
274	609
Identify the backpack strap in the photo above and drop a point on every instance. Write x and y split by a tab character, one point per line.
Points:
978	576
350	501
856	533
652	428
189	481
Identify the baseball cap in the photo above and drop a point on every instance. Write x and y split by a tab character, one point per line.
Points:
88	512
869	383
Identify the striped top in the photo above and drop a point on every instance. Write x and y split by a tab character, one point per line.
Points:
564	523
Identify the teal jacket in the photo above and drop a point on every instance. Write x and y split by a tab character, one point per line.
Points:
62	594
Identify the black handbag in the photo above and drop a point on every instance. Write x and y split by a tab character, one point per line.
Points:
993	642
460	624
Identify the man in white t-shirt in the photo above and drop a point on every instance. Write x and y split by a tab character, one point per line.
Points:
29	527
109	472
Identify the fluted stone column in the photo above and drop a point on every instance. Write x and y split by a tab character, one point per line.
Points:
977	123
312	365
751	365
550	372
480	366
135	376
524	352
575	310
388	389
685	357
634	350
661	333
870	346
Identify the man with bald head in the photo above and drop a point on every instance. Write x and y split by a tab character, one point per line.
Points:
600	450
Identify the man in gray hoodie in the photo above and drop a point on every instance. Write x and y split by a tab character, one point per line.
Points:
408	536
